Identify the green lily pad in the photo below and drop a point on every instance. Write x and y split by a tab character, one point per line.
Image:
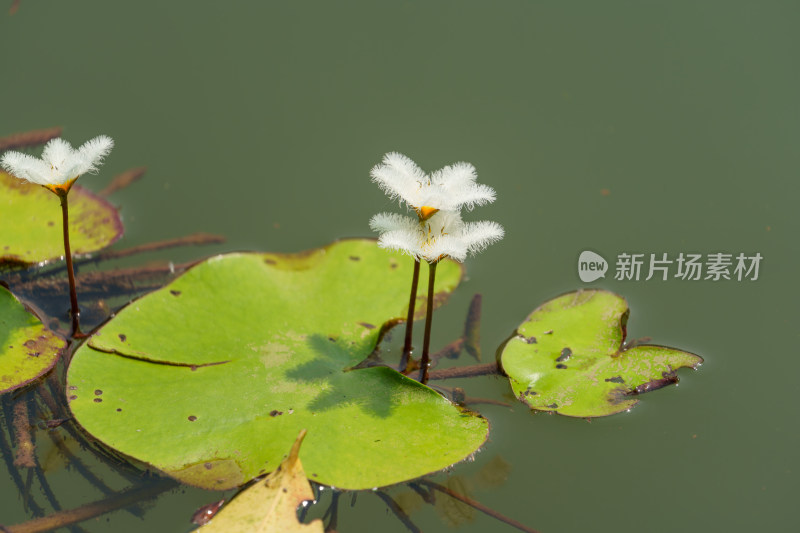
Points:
30	222
569	357
211	378
27	349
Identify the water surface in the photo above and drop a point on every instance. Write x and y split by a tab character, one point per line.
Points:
620	127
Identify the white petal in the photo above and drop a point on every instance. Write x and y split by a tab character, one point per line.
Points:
458	188
92	152
445	245
57	152
472	195
458	174
399	176
479	235
404	165
64	162
403	240
383	222
443	223
26	167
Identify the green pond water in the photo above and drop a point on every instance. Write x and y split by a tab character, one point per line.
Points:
617	127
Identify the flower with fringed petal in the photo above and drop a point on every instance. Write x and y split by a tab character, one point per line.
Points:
442	235
60	164
448	189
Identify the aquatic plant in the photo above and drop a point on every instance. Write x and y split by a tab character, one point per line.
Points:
57	170
310	325
438	231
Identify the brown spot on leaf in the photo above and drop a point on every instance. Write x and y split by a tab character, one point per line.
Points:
122	337
561	366
175	293
119	409
98	400
566	353
553	405
192	418
208	466
529	340
275	412
98	392
367	325
73	397
355	258
270	261
615	379
619	395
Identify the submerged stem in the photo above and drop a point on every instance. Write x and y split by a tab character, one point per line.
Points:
398	511
91	510
73	293
26	451
428	320
412	300
479	506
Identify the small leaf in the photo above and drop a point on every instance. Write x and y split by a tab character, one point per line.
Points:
569	357
30	222
269	506
27	349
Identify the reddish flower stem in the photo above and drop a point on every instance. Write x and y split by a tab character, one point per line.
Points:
406	358
73	293
428	321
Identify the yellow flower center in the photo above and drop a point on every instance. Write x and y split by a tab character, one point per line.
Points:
425	212
61	189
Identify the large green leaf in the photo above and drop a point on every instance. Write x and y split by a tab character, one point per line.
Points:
569	357
211	378
27	348
30	222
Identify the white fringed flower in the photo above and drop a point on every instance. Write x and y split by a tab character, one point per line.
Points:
60	164
442	235
448	189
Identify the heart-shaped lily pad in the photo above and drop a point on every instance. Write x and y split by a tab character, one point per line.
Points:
211	378
27	349
30	222
569	357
